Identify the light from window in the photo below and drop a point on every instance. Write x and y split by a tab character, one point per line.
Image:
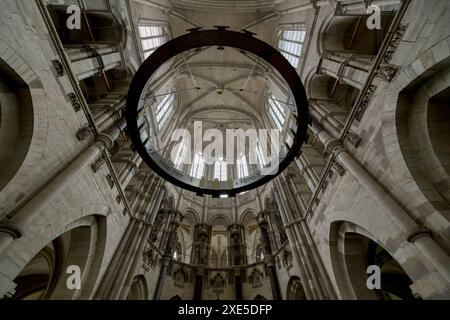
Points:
220	170
198	166
262	158
277	112
180	154
165	109
152	37
291	44
242	166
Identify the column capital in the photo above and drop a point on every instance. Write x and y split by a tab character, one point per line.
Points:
269	260
420	233
200	270
236	271
10	230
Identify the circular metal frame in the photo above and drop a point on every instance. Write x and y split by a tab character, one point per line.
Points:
221	38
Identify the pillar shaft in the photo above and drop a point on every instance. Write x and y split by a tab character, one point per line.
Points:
428	247
294	247
87	63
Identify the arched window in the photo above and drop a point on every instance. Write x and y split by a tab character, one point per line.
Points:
262	156
276	111
290	42
180	154
242	166
198	166
220	170
152	36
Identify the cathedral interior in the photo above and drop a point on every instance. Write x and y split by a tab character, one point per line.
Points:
369	184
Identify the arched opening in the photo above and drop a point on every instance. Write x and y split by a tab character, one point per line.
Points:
259	297
47	275
16	122
38	279
295	290
219	243
138	290
352	254
422	118
252	237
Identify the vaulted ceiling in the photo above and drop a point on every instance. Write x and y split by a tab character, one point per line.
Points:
232	84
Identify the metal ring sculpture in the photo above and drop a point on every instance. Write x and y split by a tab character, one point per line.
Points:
221	37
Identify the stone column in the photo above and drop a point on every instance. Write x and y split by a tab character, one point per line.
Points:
136	259
200	255
351	70
200	272
19	222
131	246
269	259
328	120
430	250
294	246
168	253
237	255
312	258
306	170
111	110
237	282
90	61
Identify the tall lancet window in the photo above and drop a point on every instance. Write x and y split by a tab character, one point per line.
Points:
242	166
220	170
180	154
152	35
291	41
262	157
165	109
276	111
198	166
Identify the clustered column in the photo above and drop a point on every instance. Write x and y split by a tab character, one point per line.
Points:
237	256
121	271
269	259
431	252
175	219
21	220
200	257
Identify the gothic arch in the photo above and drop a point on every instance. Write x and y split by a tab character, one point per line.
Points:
295	290
247	214
21	104
139	289
223	219
191	215
418	138
45	276
352	251
90	223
